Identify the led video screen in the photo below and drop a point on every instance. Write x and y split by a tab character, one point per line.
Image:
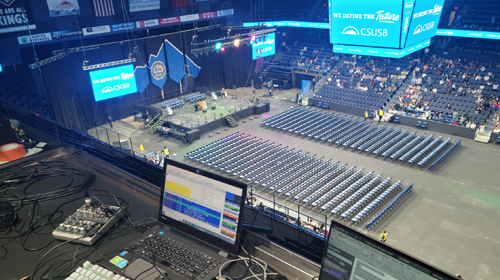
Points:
264	46
113	82
424	21
366	22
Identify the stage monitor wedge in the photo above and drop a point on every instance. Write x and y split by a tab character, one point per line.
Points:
113	82
352	255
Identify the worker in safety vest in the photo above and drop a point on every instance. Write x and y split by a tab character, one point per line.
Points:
166	152
383	237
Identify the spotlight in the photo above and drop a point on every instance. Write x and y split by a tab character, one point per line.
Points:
222	49
253	38
218	46
237	42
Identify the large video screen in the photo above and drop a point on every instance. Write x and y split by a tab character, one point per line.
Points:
366	22
264	46
113	82
424	21
350	255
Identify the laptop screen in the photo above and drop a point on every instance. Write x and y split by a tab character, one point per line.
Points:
353	255
203	201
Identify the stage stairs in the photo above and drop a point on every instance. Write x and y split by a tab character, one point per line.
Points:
155	123
232	122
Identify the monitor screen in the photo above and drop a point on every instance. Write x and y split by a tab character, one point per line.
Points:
352	255
264	46
366	22
203	202
113	82
424	21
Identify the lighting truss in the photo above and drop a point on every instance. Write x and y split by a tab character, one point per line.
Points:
48	60
244	39
108	64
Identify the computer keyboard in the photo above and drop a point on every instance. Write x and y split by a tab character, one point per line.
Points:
176	256
90	271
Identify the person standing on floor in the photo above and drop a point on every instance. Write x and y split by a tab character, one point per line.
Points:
383	236
366	115
110	121
380	114
166	152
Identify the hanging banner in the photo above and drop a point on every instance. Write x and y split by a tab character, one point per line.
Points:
60	8
158	68
14	16
35	38
144	5
141	77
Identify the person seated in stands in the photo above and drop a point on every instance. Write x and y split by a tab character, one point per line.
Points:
299	222
448	106
473	125
288	220
478	77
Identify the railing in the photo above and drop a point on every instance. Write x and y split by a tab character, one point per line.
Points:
311	225
112	138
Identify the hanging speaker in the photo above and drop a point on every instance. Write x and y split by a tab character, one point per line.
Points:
187	83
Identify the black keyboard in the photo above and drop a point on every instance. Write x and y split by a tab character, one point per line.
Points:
176	256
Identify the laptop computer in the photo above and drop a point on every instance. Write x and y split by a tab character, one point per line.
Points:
199	228
350	254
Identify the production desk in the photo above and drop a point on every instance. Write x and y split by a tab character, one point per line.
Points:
16	263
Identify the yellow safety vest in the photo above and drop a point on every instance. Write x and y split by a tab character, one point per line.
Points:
383	236
166	152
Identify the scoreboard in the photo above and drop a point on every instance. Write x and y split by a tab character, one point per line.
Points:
383	26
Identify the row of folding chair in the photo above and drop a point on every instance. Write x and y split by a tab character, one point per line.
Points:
251	158
377	202
290	126
432	154
267	164
366	198
325	130
305	173
258	161
380	142
193	153
339	129
339	176
172	103
398	144
283	118
313	131
290	119
388	208
354	197
421	153
358	134
325	177
312	182
417	148
367	137
316	174
242	157
279	167
342	133
445	155
283	177
350	133
279	116
316	120
330	132
341	182
390	142
223	147
407	146
229	151
375	138
350	189
195	97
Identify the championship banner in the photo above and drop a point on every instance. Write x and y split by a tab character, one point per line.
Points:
14	16
60	8
143	5
158	67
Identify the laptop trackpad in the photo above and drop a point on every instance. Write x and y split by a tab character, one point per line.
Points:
143	269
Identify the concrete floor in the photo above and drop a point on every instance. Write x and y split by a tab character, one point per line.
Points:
450	220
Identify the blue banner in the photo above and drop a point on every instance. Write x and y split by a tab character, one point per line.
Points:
141	78
175	62
158	68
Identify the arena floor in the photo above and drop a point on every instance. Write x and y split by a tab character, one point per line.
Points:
451	218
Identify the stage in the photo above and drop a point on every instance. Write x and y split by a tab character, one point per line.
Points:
129	133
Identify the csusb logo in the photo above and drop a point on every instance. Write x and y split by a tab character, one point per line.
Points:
351	30
107	89
158	70
423	28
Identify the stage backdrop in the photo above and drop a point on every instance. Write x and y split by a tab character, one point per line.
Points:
70	90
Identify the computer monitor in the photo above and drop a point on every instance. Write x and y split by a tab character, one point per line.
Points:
202	204
352	255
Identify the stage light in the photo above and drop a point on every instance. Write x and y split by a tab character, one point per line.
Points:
237	42
456	8
222	49
253	38
218	46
